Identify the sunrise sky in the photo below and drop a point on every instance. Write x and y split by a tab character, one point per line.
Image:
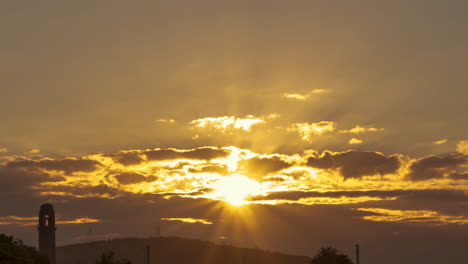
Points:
282	125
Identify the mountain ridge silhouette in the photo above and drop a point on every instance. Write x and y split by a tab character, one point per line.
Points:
172	250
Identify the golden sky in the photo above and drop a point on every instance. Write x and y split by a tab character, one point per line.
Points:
285	125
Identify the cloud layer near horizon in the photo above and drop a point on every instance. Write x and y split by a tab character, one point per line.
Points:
309	178
187	193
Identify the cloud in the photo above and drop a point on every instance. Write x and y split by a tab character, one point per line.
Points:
204	153
459	176
408	195
359	129
260	167
3	150
414	216
216	168
296	96
165	120
127	158
33	151
355	141
355	164
462	147
440	142
225	123
303	97
189	220
19	181
433	167
31	221
132	178
307	130
69	165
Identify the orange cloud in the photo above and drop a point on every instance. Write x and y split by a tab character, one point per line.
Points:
359	129
303	97
462	147
224	123
355	141
189	220
415	216
165	120
307	130
31	221
440	142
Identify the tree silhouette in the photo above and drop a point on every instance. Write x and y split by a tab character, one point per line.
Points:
108	258
14	251
330	255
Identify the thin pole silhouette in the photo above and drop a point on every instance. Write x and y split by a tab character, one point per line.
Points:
357	253
147	254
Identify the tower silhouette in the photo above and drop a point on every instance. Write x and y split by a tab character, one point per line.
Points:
46	230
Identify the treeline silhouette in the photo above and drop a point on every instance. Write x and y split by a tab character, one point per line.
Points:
13	251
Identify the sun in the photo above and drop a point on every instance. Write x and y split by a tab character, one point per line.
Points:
235	188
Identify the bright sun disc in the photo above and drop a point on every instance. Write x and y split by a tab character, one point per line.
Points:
235	188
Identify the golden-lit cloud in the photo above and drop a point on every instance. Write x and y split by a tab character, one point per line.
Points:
165	120
415	216
355	141
303	97
233	175
296	96
3	150
359	129
307	130
327	200
31	221
355	164
436	167
84	220
440	142
462	147
224	123
189	220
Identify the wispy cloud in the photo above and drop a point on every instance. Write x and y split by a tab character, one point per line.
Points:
305	96
359	129
189	220
462	147
416	216
3	150
307	130
440	142
224	123
30	221
165	120
355	141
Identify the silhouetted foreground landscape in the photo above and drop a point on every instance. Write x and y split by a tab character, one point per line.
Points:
172	250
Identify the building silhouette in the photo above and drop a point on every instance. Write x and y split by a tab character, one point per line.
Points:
46	230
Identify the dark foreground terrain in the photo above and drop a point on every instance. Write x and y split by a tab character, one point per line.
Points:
172	250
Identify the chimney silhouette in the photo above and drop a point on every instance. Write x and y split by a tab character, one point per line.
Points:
46	230
357	253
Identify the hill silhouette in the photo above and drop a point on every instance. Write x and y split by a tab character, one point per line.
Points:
172	250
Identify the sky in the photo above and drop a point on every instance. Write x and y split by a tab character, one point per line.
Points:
282	125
